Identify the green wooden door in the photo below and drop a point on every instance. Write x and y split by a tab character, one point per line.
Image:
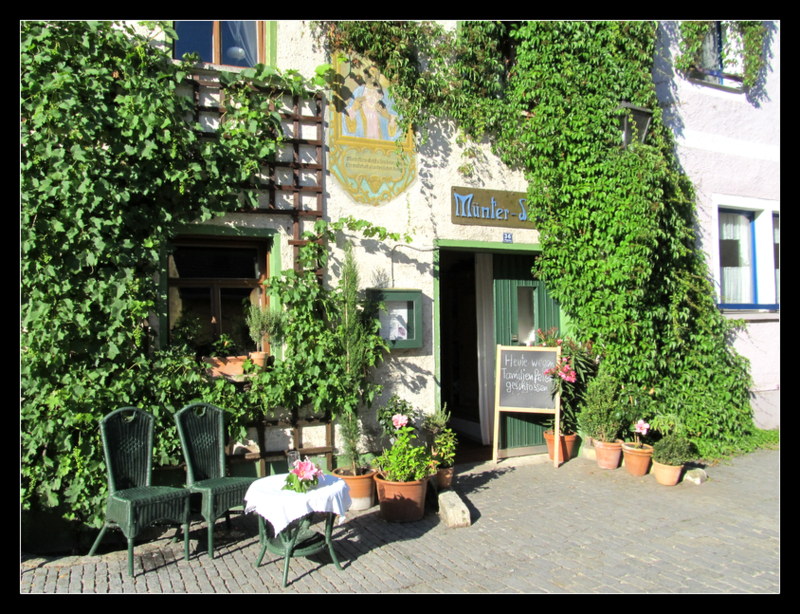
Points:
521	306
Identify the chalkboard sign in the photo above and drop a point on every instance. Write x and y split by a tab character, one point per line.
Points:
521	380
521	385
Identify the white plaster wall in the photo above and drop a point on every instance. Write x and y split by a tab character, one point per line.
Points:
729	145
423	211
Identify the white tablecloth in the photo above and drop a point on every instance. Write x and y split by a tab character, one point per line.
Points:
280	507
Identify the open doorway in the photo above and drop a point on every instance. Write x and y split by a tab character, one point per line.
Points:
458	340
487	299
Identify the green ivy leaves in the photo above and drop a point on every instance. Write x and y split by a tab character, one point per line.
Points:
110	168
616	224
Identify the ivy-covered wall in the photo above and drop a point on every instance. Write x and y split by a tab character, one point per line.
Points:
617	225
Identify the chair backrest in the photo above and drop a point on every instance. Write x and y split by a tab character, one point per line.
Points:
201	430
128	447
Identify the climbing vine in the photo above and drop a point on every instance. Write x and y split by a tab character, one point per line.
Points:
616	223
110	168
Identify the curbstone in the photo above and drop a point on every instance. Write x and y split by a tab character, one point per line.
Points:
452	510
696	476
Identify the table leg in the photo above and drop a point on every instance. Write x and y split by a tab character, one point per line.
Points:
329	539
288	539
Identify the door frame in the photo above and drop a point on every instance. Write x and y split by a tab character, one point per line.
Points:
475	247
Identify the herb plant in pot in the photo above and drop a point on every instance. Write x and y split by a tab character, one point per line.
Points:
601	419
262	324
670	453
403	472
443	443
443	450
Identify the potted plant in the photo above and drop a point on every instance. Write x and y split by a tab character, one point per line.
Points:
577	365
670	453
601	418
261	324
443	451
356	330
225	360
403	472
442	442
637	454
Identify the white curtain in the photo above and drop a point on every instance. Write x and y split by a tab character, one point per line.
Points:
736	259
776	240
243	35
484	299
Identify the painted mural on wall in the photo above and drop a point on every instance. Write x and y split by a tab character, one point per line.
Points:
370	156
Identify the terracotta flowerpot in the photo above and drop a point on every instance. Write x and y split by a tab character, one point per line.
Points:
444	477
607	453
259	358
401	501
637	460
362	488
568	445
225	366
668	475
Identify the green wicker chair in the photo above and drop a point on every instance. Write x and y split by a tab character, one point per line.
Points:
201	430
133	502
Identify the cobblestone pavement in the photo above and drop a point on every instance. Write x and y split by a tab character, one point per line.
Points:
535	529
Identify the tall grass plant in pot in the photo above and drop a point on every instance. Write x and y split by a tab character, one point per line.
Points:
356	329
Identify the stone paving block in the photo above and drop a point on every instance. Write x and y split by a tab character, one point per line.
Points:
533	529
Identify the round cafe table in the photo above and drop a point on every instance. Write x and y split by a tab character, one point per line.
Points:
291	515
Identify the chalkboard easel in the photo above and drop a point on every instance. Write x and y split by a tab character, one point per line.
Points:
522	386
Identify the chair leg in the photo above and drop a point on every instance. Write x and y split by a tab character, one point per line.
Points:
211	538
186	541
130	556
98	539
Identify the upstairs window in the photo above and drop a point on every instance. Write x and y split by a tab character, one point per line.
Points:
227	43
721	60
737	266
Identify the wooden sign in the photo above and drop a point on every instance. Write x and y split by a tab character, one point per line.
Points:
522	386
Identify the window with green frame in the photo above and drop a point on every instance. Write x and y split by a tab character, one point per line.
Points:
211	282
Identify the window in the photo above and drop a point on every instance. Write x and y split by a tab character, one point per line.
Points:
720	62
210	285
229	43
748	272
776	242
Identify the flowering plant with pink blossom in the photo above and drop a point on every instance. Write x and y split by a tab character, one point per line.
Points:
570	375
303	477
407	459
640	429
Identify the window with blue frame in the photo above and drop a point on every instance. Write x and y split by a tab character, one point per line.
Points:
745	257
228	43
